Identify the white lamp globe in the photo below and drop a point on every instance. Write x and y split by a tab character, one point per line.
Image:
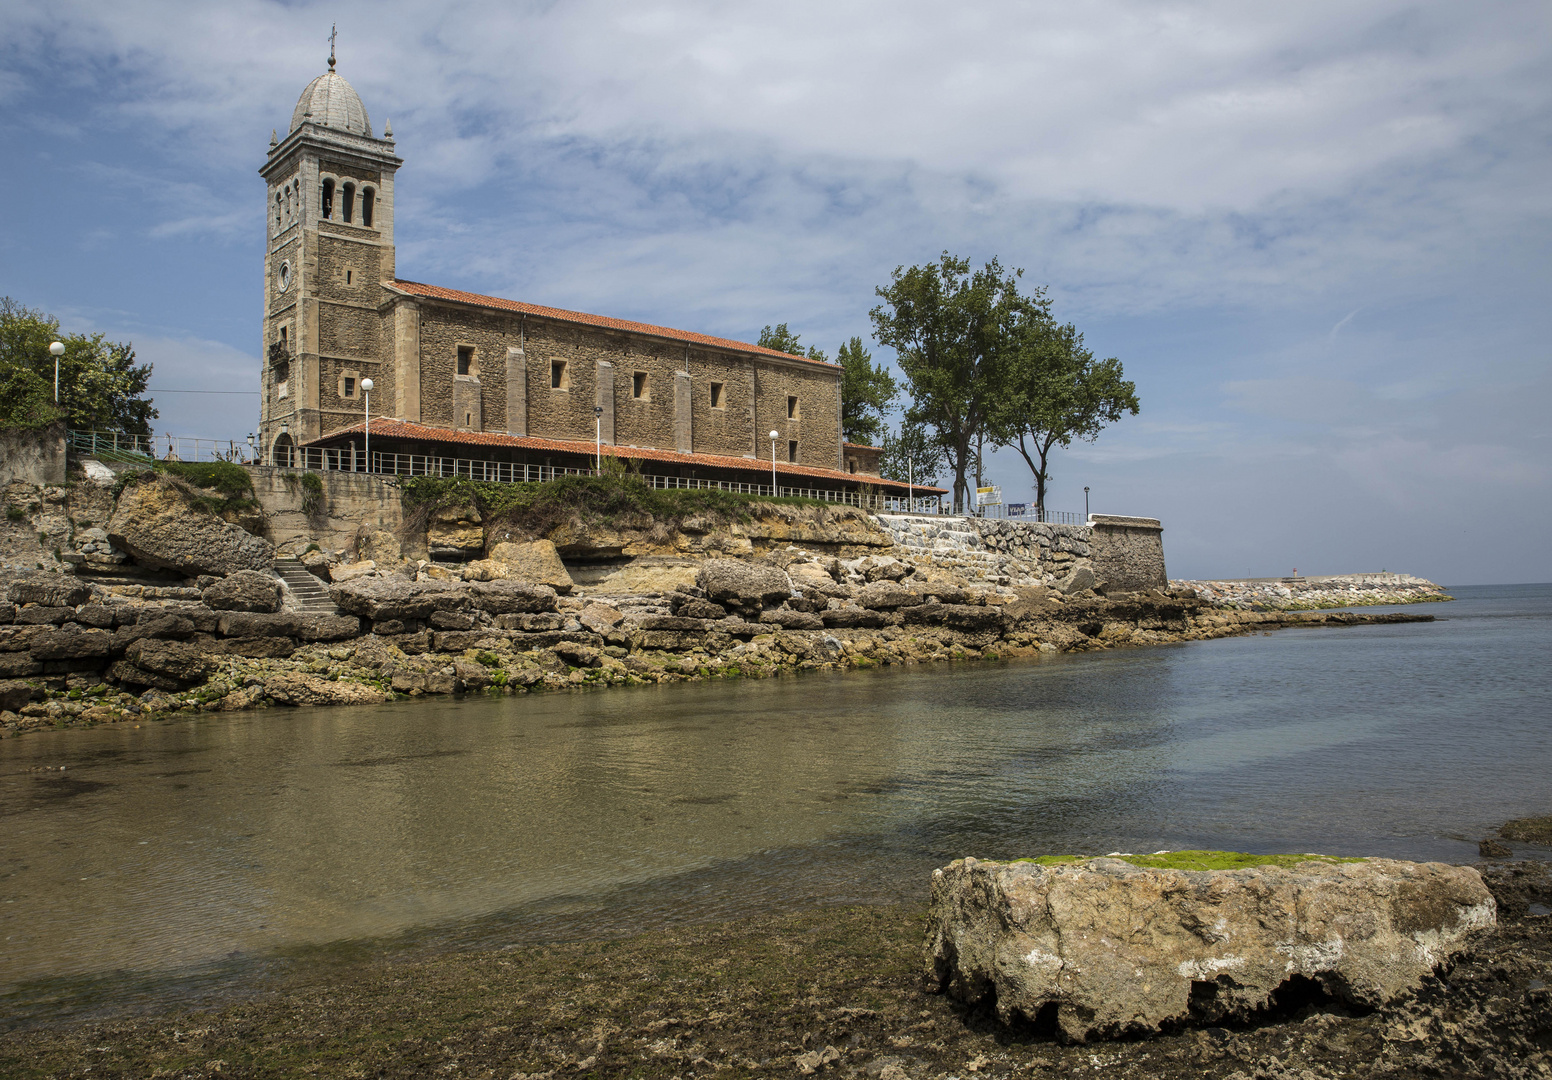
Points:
57	349
775	434
366	384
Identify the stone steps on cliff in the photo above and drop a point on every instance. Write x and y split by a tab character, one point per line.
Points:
304	592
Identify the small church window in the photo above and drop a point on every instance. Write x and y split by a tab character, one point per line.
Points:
328	198
349	200
465	359
279	211
639	387
350	389
792	450
283	343
792	408
560	378
349	276
368	197
716	395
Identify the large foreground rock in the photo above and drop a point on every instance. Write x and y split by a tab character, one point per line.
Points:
246	590
536	561
162	530
750	584
1104	948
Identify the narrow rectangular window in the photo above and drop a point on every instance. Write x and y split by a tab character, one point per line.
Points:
559	380
792	408
350	386
328	198
350	201
368	196
792	450
716	395
639	386
465	358
348	275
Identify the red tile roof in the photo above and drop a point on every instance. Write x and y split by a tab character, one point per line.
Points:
383	427
863	446
415	288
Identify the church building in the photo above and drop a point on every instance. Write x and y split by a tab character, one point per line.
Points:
460	377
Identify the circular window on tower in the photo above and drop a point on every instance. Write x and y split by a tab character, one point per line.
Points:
283	275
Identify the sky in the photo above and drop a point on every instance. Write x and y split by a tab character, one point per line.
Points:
1318	236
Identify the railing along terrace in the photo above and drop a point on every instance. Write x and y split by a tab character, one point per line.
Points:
124	447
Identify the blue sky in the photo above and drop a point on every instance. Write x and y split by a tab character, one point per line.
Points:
1317	235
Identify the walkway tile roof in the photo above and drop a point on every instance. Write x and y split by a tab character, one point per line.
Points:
436	292
386	428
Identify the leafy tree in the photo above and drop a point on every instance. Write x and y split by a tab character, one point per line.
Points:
1053	392
867	391
100	386
912	454
952	331
783	340
26	401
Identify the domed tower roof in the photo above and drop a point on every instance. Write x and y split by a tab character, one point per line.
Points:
331	101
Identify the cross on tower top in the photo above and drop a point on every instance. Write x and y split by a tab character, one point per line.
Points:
333	33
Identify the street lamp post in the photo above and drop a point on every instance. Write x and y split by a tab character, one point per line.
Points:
598	440
56	350
1085	504
366	395
910	486
774	436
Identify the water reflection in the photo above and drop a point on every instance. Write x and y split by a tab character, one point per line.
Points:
173	846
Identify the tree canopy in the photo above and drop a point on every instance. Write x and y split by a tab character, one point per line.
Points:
100	386
1053	391
913	454
867	392
953	331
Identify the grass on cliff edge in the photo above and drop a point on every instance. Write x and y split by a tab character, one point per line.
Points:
214	486
1197	860
593	498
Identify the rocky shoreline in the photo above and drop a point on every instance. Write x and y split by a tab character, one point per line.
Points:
74	653
1316	593
829	992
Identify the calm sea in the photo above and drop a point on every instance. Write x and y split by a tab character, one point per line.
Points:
173	861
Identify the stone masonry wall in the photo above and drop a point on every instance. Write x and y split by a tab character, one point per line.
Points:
735	428
1128	552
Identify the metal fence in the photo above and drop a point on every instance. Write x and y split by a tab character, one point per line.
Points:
121	447
126	448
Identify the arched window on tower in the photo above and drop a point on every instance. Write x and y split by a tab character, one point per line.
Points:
328	199
368	197
279	211
348	201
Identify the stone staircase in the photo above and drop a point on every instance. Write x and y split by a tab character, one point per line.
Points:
953	539
304	592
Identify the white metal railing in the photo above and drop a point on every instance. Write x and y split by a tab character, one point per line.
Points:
125	447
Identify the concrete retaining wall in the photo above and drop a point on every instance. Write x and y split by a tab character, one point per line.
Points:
348	502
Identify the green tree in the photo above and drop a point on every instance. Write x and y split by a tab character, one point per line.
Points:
100	386
1053	392
912	454
867	392
952	331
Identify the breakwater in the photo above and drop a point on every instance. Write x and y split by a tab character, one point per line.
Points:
1310	593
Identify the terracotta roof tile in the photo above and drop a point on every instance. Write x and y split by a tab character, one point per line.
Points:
437	292
383	427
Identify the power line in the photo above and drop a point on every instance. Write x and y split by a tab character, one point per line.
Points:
154	392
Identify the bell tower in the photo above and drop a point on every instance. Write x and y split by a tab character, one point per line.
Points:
328	253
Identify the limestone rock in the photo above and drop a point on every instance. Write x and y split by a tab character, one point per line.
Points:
788	619
455	540
380	547
159	528
600	618
351	571
884	595
179	661
47	590
511	597
1077	581
397	598
852	618
749	584
246	590
642	578
73	644
292	688
536	561
1105	948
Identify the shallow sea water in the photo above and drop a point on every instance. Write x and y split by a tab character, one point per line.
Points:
176	860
